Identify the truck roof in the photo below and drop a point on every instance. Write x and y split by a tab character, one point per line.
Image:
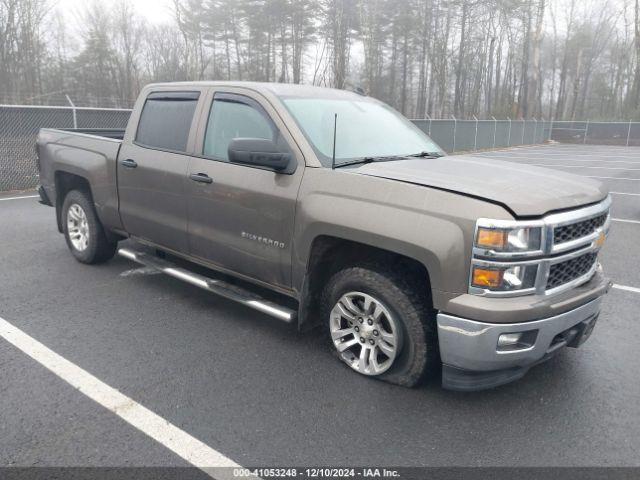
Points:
277	89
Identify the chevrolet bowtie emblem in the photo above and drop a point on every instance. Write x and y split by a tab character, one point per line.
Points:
601	238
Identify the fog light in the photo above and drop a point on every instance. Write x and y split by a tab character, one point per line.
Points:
507	339
509	342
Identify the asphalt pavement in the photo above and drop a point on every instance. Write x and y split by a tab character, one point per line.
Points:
262	394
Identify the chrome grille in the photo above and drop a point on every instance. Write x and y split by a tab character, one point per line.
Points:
569	270
573	231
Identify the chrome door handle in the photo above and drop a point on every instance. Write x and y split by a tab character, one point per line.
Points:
201	178
128	163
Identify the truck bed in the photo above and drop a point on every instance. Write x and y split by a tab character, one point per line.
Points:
90	154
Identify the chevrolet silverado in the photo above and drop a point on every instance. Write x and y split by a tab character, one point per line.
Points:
412	262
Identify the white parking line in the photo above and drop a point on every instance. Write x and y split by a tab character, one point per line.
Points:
626	288
614	178
553	161
18	198
581	166
624	220
178	441
625	193
525	160
544	157
541	155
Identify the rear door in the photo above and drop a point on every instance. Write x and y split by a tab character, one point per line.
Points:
152	169
243	219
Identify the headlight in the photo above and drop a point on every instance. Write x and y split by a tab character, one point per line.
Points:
506	256
521	239
504	279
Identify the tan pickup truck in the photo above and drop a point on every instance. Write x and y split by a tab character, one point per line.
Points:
328	208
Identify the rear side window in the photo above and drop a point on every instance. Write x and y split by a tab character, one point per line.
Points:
166	119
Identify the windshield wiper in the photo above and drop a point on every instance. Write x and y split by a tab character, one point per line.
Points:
427	154
363	160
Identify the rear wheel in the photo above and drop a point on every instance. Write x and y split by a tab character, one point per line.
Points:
83	231
381	324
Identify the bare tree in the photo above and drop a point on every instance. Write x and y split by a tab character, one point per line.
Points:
569	59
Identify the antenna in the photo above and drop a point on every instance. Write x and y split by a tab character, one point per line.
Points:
333	158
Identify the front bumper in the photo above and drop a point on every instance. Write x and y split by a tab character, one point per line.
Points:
471	358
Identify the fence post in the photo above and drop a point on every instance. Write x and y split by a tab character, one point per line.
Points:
586	132
475	138
455	127
629	132
73	109
552	121
524	126
495	129
429	117
535	131
509	142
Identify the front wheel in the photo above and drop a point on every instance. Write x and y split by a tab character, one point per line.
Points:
365	333
381	324
83	231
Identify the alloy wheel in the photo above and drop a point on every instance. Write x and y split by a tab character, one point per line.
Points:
365	333
78	227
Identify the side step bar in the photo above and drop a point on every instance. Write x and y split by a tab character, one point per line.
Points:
219	287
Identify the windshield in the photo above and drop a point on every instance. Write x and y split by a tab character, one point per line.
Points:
365	128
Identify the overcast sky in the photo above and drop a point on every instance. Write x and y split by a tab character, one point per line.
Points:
162	11
155	11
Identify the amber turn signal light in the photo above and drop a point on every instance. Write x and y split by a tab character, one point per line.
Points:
485	278
490	238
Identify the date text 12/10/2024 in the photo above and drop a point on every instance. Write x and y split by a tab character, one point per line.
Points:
316	472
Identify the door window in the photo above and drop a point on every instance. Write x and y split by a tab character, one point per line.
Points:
166	119
235	116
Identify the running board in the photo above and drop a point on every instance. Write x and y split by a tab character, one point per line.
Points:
219	287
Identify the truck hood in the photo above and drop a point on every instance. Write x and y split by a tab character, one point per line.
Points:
525	190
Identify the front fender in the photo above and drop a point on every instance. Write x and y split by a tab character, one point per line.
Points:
431	226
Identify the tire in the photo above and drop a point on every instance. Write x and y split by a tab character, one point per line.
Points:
83	231
411	315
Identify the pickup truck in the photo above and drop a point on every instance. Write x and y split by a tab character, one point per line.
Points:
329	209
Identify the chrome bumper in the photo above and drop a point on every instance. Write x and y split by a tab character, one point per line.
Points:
469	349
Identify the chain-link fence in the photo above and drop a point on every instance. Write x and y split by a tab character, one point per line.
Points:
597	133
468	135
19	126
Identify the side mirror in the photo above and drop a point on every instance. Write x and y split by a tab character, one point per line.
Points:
258	151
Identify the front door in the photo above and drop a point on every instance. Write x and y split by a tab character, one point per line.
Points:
241	217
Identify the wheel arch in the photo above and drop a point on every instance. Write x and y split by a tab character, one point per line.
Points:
64	183
328	254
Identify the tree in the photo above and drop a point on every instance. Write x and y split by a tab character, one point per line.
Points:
340	20
466	58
